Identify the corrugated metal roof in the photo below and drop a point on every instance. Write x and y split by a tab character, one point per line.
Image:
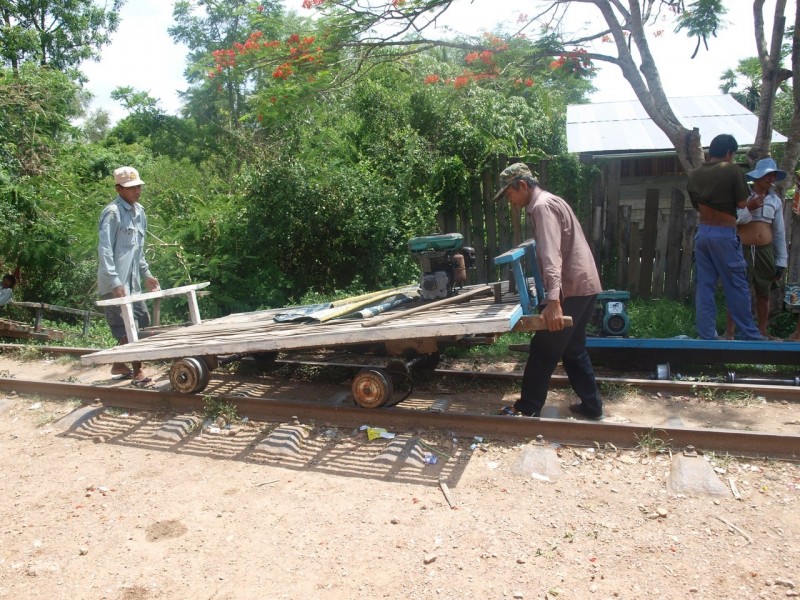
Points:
625	126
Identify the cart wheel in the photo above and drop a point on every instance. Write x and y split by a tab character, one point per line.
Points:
189	375
371	388
400	373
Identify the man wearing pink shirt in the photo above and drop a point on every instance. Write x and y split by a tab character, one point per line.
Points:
571	284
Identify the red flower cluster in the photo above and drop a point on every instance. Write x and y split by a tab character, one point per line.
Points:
431	79
312	3
283	72
575	61
486	57
499	44
461	81
226	57
299	51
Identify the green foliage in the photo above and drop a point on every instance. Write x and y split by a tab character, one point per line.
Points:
61	34
296	174
36	105
322	229
744	83
571	179
701	20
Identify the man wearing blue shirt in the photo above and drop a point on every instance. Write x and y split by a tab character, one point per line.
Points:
122	264
7	291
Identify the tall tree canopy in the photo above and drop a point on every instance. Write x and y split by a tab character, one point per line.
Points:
54	32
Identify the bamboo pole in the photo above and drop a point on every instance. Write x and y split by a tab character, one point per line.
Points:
340	309
486	290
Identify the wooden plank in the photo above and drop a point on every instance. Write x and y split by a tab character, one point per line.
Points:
596	217
15	329
477	230
649	236
463	297
178	291
126	305
660	258
674	239
56	308
611	208
536	323
623	246
685	286
244	333
486	270
634	260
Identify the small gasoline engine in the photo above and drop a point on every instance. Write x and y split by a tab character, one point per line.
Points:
444	262
611	316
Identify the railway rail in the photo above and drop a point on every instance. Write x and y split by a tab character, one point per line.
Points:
335	410
769	389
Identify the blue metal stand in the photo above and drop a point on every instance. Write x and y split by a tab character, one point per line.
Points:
513	257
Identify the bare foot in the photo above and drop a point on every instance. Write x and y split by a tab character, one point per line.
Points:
121	369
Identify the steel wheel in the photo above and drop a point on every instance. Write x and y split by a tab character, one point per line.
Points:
371	388
189	375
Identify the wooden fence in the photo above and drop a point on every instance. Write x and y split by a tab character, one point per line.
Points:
650	258
641	230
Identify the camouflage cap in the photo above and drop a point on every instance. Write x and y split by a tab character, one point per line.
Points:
511	174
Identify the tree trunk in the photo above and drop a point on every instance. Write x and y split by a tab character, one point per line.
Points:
646	82
771	76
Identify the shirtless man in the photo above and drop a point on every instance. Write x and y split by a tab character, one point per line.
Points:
719	192
763	239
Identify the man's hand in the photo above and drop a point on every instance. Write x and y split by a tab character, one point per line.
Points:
553	316
779	273
755	201
118	292
151	283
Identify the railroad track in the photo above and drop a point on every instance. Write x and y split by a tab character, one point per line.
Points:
337	410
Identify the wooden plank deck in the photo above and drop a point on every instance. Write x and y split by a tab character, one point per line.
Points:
244	333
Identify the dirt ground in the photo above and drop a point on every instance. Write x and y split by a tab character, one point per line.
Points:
112	514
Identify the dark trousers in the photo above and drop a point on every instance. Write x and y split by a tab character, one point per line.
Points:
569	346
141	317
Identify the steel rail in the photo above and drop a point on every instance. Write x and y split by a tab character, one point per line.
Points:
774	392
739	443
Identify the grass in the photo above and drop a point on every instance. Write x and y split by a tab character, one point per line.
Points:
722	461
215	408
651	442
660	318
735	397
499	349
28	353
612	392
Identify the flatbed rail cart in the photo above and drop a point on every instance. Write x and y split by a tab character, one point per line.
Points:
411	333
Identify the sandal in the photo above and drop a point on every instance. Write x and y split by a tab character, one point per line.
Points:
510	411
140	378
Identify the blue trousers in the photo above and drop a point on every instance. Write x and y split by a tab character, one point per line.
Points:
568	346
718	256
